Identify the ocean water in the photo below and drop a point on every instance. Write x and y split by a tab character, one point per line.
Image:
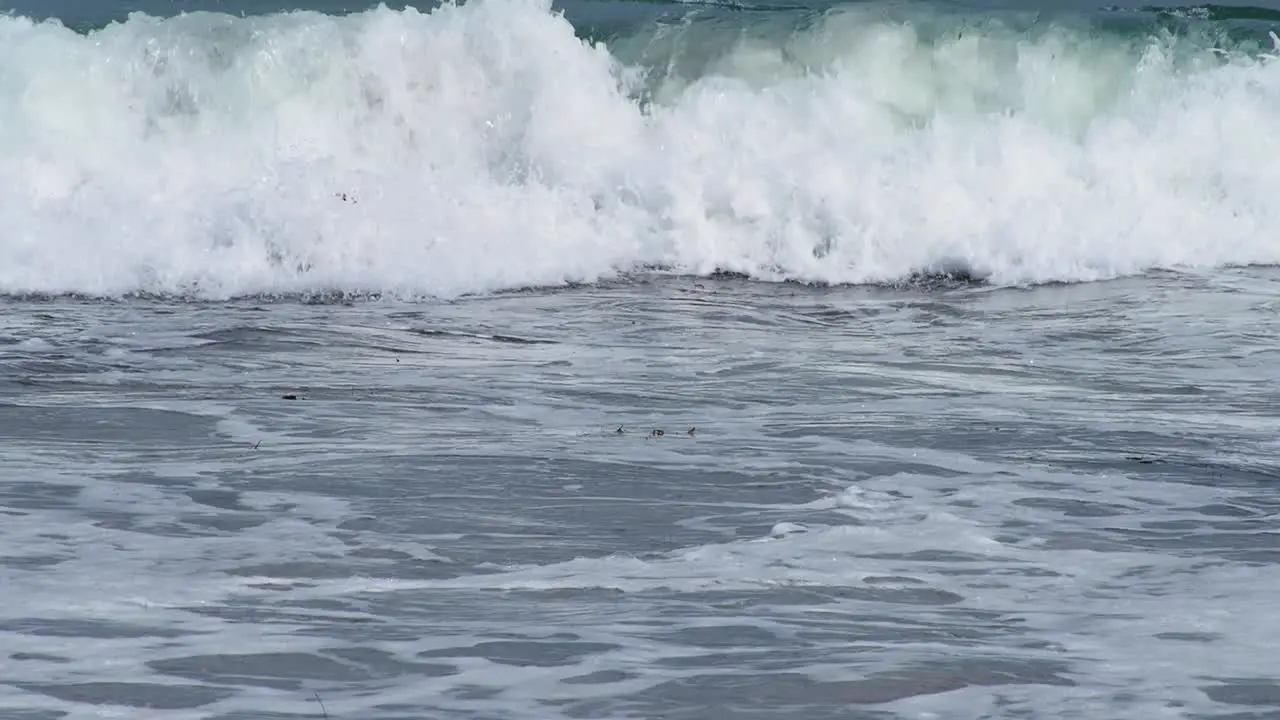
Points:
681	360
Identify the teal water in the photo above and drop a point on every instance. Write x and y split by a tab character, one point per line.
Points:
85	15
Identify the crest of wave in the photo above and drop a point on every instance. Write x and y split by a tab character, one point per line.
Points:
485	146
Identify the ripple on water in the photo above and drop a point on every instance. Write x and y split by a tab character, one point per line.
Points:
952	503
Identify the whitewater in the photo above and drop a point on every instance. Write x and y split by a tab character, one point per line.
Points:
492	146
610	360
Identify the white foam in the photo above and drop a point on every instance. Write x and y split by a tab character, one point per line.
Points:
487	147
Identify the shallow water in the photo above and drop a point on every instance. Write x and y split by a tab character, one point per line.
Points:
921	502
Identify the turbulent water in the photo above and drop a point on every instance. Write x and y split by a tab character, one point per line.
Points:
639	360
489	146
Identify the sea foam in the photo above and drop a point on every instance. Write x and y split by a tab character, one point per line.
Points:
487	146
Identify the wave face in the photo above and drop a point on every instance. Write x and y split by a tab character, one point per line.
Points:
490	146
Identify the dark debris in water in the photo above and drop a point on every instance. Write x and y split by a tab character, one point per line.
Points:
656	432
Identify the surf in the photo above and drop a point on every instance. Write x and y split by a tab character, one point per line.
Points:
497	145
